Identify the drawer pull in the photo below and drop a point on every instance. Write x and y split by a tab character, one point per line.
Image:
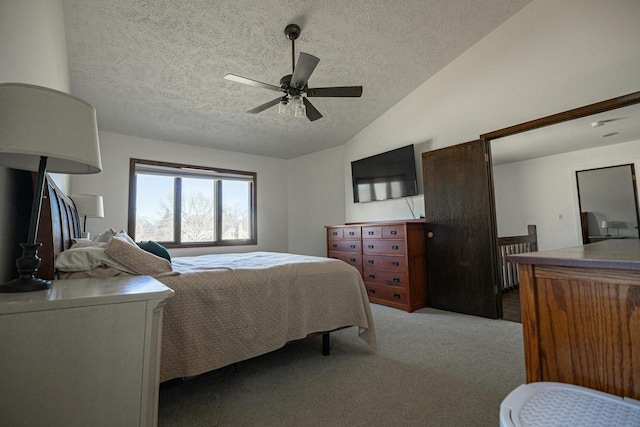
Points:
394	247
353	260
334	245
370	261
396	263
335	233
396	296
351	233
372	276
371	233
372	291
370	246
397	280
352	246
394	232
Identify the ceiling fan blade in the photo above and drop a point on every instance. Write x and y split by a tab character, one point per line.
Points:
312	112
264	106
337	92
250	82
304	67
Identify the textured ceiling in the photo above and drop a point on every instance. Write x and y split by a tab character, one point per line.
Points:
154	68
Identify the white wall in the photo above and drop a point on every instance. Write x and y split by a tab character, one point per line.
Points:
113	184
32	50
318	176
550	57
544	192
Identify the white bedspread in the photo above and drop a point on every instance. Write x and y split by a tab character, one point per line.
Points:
231	307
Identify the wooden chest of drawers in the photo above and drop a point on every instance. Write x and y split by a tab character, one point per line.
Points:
345	243
390	256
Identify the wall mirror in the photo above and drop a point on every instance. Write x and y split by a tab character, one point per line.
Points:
537	174
608	200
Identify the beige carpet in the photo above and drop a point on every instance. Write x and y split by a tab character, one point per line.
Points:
432	368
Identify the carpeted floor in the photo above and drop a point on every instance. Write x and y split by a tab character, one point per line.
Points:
432	368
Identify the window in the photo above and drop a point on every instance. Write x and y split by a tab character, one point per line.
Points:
185	206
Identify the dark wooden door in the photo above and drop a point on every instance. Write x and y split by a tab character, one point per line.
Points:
461	234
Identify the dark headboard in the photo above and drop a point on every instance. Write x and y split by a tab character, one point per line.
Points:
59	223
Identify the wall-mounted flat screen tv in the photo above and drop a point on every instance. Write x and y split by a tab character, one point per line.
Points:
384	176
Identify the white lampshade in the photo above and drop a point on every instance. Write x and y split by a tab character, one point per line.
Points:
36	121
605	224
89	205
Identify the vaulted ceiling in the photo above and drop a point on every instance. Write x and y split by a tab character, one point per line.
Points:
155	68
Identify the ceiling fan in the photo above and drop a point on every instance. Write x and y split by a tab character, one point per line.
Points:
294	85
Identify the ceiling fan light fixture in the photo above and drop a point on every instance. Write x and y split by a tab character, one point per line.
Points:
299	110
296	101
283	107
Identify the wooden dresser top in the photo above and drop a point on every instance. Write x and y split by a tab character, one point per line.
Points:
389	222
619	254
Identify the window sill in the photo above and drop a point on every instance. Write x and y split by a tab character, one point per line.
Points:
173	245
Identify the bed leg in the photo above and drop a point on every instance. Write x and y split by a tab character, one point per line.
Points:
325	344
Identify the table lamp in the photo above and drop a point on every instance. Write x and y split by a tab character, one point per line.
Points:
42	130
606	225
88	206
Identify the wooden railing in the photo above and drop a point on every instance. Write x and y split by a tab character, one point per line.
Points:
515	245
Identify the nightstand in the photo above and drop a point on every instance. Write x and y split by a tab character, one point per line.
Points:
84	353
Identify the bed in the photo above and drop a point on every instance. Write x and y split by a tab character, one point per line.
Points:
231	307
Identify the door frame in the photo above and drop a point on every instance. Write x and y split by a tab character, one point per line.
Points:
584	111
576	113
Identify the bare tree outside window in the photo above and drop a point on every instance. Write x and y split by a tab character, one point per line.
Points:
197	214
235	210
198	218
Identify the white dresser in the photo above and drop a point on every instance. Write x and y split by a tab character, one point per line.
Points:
85	353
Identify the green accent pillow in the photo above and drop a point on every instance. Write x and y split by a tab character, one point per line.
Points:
156	249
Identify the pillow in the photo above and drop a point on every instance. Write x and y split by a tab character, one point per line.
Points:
87	258
156	249
106	236
124	236
136	259
84	243
96	273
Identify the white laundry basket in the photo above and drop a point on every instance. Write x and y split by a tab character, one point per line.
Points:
549	404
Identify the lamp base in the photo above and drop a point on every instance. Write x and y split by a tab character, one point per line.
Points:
25	285
27	265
